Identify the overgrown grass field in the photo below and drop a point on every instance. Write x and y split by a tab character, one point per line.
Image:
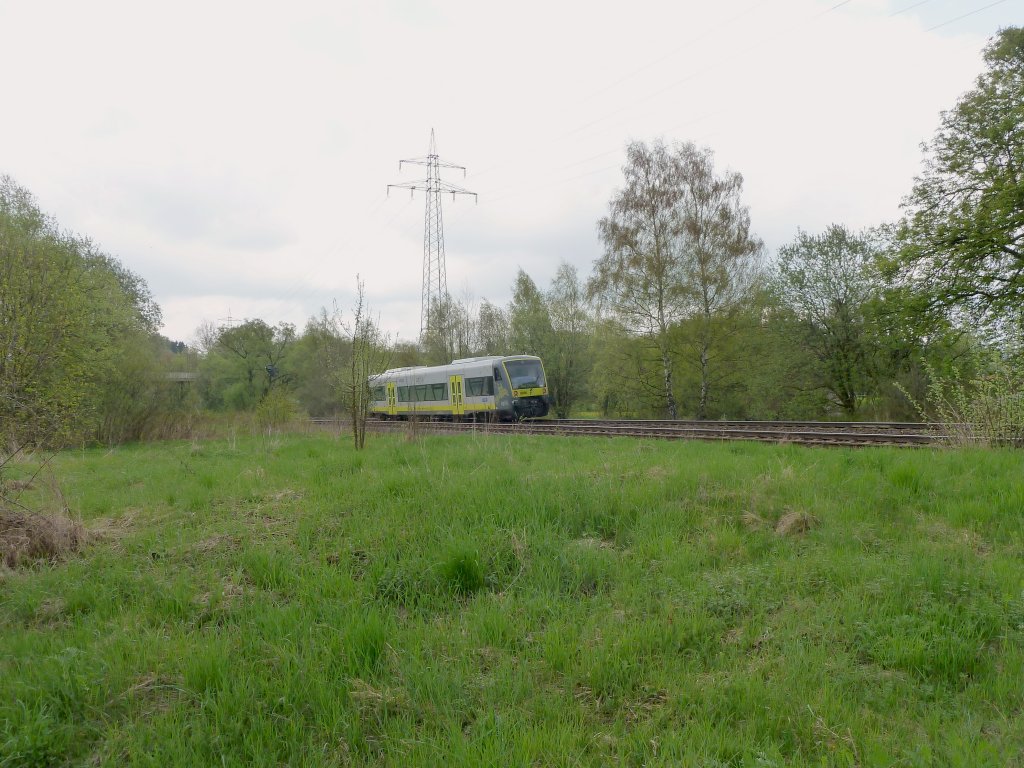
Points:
518	601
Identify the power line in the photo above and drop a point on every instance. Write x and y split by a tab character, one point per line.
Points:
684	46
964	16
908	8
711	65
700	71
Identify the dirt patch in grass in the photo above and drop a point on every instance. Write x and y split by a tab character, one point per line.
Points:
28	537
593	542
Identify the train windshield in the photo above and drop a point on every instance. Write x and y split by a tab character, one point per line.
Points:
525	373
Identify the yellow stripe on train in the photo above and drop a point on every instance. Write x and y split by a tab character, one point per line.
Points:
534	392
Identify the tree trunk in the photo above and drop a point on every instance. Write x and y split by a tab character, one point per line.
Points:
702	404
705	346
670	398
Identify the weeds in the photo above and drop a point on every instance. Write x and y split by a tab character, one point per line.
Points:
988	410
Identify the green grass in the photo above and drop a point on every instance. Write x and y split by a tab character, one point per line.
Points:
522	601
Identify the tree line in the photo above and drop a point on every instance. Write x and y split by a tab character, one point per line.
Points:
683	313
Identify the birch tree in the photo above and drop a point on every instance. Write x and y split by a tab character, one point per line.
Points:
640	276
720	255
678	246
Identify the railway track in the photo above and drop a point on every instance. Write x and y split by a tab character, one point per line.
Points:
796	432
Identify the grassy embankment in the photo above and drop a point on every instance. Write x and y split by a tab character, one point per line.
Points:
485	600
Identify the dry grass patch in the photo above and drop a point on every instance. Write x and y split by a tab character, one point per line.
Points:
795	523
220	541
941	532
381	702
27	537
113	527
753	521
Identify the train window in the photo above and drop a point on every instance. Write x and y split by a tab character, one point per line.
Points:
480	386
525	373
404	395
422	393
497	373
440	391
378	394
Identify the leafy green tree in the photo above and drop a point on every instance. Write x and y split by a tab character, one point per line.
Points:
625	380
829	282
530	330
319	353
492	330
137	399
453	331
406	354
245	362
775	374
962	241
568	360
68	316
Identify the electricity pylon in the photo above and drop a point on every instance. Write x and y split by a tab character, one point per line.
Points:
435	281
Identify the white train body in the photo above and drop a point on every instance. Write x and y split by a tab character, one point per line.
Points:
492	388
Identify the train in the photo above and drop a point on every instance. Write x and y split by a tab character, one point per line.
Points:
491	388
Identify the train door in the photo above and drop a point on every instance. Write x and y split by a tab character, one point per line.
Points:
392	400
455	395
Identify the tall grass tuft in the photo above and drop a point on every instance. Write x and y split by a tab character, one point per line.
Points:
461	572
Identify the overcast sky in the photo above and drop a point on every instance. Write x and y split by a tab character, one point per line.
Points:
236	154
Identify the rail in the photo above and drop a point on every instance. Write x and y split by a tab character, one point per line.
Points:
796	432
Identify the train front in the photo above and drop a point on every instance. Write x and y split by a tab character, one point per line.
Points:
530	399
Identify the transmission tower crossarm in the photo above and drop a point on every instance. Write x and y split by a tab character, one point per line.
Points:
425	185
431	160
